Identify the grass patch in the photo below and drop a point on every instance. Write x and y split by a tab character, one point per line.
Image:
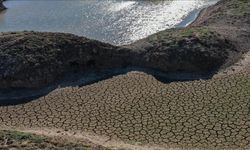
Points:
27	141
238	7
175	35
199	32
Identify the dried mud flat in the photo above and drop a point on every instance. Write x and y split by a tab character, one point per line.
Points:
137	108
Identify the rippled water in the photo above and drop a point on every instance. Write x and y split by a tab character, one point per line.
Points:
112	21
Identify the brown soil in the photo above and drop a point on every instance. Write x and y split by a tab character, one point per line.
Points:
138	111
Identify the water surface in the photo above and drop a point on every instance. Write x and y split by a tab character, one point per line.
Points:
113	21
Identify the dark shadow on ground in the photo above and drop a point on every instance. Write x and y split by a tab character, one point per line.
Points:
79	79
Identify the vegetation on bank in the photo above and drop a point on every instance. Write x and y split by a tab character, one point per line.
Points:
177	48
26	141
238	7
34	59
193	49
217	39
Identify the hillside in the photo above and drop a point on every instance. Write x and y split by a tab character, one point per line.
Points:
216	40
135	109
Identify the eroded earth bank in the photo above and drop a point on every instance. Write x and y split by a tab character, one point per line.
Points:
138	109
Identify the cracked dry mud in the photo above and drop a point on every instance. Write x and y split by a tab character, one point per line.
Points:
137	107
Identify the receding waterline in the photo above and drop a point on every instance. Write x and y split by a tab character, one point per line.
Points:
113	21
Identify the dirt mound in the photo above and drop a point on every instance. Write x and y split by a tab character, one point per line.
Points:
196	49
33	59
216	40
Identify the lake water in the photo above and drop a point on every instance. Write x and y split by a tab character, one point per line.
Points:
113	21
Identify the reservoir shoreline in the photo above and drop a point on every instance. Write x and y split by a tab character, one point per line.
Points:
180	51
18	96
104	22
135	108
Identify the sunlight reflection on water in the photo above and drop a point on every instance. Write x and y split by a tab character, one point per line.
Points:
113	21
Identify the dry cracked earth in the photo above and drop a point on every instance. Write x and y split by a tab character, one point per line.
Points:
137	107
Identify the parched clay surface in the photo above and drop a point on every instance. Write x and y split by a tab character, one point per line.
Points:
135	107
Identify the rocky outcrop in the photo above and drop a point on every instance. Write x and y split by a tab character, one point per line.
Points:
34	59
2	7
